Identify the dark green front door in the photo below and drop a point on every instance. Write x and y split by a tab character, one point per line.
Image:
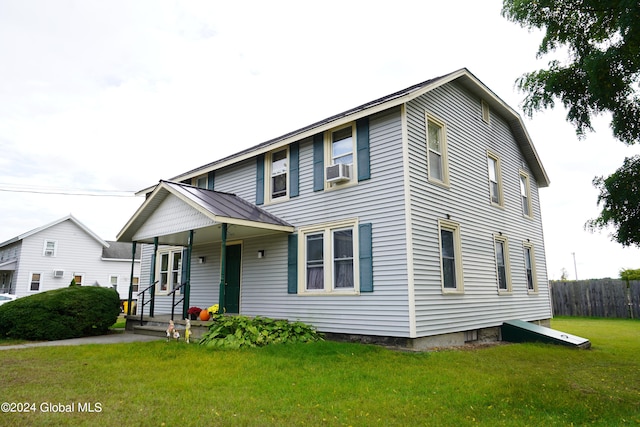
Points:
232	290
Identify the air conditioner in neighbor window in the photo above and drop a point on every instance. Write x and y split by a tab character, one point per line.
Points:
338	173
48	252
58	273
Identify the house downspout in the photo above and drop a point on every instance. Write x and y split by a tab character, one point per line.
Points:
152	276
223	268
187	287
133	262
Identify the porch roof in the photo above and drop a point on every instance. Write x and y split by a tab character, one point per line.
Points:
8	265
173	209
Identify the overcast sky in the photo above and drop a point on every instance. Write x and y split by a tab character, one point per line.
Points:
104	97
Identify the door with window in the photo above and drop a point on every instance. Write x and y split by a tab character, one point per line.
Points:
232	277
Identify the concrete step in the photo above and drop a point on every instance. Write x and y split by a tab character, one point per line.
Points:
161	331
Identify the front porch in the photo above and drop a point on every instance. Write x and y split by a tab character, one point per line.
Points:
157	326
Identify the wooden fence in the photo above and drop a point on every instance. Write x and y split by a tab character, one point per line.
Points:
596	298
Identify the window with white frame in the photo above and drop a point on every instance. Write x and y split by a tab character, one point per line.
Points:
328	255
502	264
278	171
437	151
77	277
525	194
50	248
495	179
169	269
36	280
450	256
529	266
135	283
113	281
202	181
340	149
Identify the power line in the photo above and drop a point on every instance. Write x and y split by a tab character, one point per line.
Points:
65	191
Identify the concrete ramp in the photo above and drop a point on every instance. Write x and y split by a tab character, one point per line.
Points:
521	331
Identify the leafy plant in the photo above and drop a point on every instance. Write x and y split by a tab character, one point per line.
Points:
243	331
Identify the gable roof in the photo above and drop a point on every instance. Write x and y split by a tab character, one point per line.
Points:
462	76
217	206
61	220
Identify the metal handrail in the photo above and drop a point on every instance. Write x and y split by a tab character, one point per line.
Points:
143	301
173	298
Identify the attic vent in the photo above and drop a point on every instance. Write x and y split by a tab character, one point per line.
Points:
58	273
338	173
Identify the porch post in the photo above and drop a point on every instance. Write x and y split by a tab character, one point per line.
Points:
153	276
133	262
187	287
223	268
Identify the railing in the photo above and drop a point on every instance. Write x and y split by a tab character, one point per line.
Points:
146	302
173	298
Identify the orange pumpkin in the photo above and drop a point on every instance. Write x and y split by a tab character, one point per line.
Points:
204	315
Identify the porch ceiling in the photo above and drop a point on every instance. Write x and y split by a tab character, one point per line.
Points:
173	209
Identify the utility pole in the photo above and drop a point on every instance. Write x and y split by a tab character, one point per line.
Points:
574	264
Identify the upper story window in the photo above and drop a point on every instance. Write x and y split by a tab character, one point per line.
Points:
525	194
169	269
495	179
450	256
279	167
113	281
340	156
50	248
201	182
502	264
437	151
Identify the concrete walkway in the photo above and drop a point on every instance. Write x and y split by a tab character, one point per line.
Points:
114	338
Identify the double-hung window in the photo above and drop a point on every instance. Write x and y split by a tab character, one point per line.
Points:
450	256
437	151
342	146
169	269
50	248
502	264
35	281
330	254
529	266
525	194
340	156
495	179
279	169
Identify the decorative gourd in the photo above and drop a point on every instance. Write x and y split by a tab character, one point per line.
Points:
204	315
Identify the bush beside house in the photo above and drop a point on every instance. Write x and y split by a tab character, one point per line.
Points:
71	312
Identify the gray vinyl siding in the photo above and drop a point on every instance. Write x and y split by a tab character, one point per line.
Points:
467	203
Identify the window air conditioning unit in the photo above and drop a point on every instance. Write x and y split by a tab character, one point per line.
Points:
58	273
48	252
338	173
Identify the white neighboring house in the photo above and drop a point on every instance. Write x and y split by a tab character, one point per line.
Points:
49	257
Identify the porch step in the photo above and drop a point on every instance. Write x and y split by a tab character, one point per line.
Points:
157	326
156	331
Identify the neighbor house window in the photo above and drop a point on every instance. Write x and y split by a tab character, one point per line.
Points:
525	194
437	151
529	266
170	268
329	255
201	182
50	247
450	256
78	279
113	281
135	283
502	264
495	179
35	281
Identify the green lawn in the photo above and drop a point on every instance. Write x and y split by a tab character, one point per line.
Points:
334	384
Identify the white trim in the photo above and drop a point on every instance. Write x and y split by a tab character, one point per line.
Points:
50	252
170	250
268	199
496	157
453	227
534	275
507	265
40	282
328	158
429	117
411	283
525	175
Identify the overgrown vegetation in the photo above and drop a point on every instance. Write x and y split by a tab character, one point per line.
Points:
242	331
71	312
630	274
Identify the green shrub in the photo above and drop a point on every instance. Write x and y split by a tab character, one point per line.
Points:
242	331
72	312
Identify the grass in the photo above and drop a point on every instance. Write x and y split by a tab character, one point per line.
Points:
334	384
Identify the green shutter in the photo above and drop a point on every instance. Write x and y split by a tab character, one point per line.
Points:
366	258
260	179
362	135
318	162
211	179
292	264
294	169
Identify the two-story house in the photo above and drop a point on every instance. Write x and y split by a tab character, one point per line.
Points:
49	257
413	218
